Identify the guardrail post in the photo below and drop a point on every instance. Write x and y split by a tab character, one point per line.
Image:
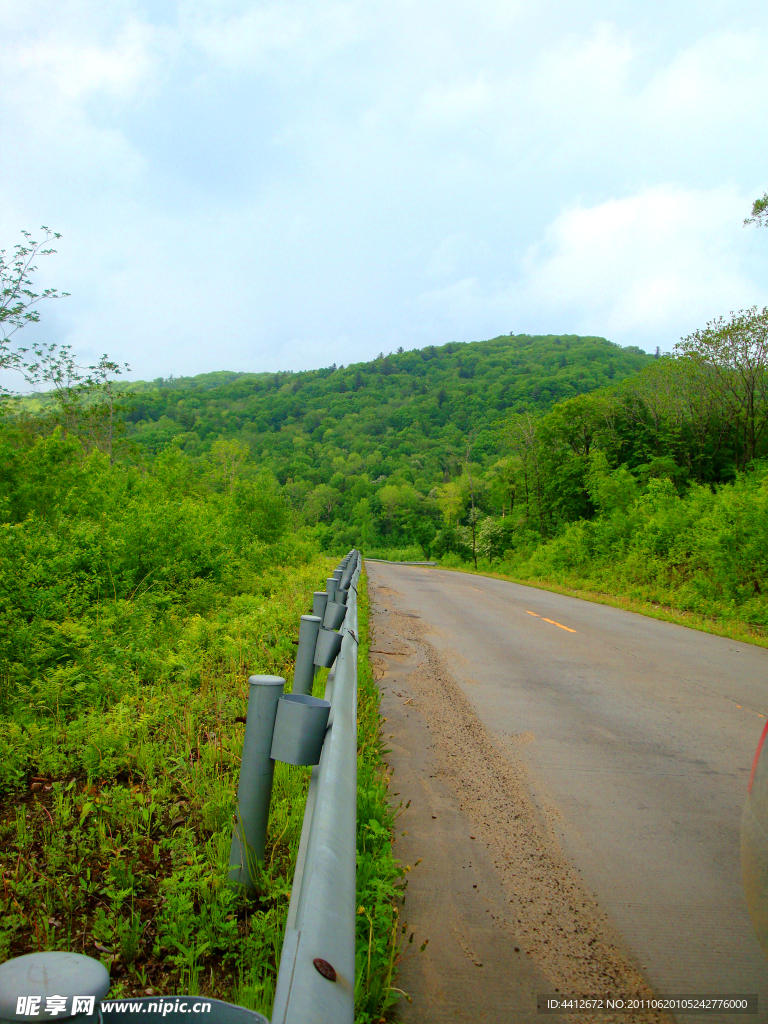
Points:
319	601
33	978
304	668
254	790
331	585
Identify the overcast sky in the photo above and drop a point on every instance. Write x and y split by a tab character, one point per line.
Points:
257	186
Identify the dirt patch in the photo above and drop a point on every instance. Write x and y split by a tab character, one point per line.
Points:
539	898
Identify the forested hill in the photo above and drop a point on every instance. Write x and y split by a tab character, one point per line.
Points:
409	409
563	458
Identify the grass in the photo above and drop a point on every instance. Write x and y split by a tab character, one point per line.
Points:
380	885
116	818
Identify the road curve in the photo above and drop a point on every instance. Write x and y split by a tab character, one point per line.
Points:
639	734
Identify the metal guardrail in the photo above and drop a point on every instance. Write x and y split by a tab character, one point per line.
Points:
316	978
319	941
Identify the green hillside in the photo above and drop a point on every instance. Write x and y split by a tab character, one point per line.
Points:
337	435
560	457
407	403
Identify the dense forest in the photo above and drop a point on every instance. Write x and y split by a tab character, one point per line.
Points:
359	450
556	458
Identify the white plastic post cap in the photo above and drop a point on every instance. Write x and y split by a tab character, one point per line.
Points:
46	975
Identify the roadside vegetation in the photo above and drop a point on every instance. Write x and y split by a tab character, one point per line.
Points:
653	492
135	602
134	605
380	885
561	460
136	596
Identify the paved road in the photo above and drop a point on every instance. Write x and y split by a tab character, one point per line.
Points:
640	733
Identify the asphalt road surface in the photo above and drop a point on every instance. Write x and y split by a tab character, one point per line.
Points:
627	742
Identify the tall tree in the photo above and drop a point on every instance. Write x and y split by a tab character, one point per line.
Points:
470	442
736	353
17	296
521	434
84	399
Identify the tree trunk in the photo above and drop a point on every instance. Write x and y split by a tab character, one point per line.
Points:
472	497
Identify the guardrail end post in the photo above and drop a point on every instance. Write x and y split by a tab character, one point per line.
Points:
32	979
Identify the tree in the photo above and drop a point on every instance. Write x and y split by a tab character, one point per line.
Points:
735	351
473	513
229	456
502	486
17	297
85	399
759	212
397	501
362	515
321	503
490	538
260	508
101	383
521	433
451	500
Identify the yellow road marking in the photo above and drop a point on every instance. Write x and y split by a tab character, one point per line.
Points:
551	621
559	625
750	710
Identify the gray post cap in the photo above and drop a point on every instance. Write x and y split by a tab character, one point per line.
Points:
266	681
46	975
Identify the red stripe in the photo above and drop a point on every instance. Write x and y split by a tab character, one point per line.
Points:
757	757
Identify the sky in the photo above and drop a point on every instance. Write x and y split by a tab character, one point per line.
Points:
280	186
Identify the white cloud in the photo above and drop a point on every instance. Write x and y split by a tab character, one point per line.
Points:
641	263
584	71
644	270
720	78
277	37
72	70
448	105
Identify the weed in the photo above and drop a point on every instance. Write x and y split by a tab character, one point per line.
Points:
379	876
